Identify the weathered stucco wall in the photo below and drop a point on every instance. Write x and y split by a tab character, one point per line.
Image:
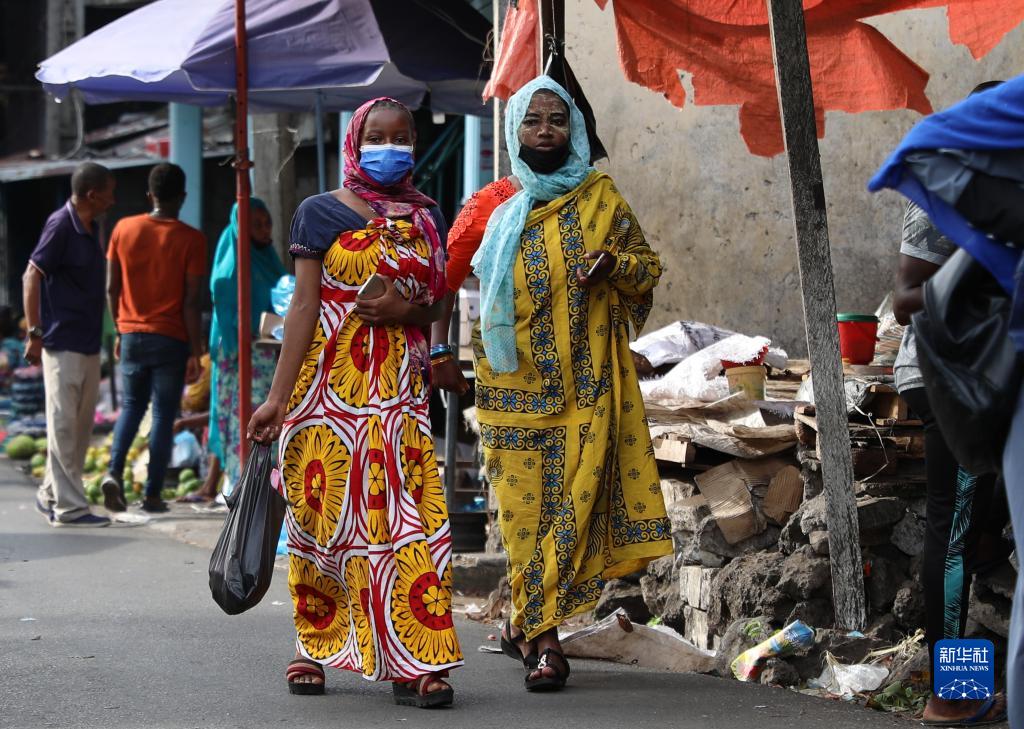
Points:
720	217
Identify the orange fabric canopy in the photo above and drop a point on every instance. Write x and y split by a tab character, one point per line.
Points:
726	48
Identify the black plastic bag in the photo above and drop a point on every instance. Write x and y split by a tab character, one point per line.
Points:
969	363
242	563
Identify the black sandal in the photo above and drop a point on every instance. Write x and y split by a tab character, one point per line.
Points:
300	667
411	693
549	683
510	647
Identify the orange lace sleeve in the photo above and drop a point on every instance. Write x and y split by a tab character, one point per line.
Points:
467	230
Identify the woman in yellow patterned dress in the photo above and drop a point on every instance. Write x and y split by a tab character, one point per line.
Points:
564	272
368	536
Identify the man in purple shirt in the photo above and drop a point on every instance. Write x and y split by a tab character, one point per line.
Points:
64	288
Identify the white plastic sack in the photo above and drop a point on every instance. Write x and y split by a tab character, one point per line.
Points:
696	377
842	679
677	341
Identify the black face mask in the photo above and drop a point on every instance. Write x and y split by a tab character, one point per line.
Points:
544	162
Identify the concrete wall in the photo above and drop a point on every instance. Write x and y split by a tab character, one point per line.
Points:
720	217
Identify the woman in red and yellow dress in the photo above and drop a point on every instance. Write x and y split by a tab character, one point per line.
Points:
368	536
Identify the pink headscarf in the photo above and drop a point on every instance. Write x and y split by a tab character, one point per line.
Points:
396	200
401	200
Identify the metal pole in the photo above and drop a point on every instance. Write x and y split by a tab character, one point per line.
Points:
321	150
552	31
243	190
187	152
470	157
344	119
470	184
451	424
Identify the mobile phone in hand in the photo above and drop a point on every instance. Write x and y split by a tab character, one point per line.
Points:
597	264
374	288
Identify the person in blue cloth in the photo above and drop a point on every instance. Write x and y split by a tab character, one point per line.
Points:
965	168
265	268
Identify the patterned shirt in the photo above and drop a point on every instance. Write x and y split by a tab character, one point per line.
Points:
921	239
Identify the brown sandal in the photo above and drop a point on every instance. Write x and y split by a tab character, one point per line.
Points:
299	667
414	693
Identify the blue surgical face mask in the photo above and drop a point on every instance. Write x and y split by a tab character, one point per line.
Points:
386	163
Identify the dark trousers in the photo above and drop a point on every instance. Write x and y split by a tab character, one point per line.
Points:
152	369
957	510
1013	470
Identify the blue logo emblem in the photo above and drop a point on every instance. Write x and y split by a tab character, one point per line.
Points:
964	669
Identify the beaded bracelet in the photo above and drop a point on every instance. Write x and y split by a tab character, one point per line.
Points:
441	349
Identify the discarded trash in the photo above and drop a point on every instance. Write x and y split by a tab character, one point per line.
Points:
902	651
27	620
211	508
124	517
841	679
747	666
899	698
277	602
617	639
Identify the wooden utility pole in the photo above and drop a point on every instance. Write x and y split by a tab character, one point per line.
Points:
796	103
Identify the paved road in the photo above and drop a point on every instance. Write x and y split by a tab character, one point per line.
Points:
115	628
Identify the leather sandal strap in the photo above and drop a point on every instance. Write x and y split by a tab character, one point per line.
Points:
561	667
303	667
425	680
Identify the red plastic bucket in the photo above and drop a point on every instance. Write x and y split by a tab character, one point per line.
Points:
857	336
757	360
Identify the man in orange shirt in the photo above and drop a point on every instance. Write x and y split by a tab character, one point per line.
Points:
156	267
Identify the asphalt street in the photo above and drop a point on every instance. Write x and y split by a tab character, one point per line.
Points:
114	627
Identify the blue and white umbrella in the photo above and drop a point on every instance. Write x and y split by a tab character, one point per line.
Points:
340	51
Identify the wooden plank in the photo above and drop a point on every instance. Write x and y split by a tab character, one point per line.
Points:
886	406
674	449
796	103
805	415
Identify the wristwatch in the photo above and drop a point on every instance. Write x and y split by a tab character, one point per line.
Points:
35	333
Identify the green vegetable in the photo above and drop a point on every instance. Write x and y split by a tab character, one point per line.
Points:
21	448
186	475
40	445
39	459
168	494
188	487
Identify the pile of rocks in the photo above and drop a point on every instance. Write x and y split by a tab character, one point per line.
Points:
779	571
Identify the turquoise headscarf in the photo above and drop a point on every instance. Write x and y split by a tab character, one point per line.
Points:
266	268
494	260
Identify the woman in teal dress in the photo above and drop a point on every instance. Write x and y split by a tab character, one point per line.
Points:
265	270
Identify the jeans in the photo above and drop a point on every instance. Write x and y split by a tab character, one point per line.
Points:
1013	472
152	368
